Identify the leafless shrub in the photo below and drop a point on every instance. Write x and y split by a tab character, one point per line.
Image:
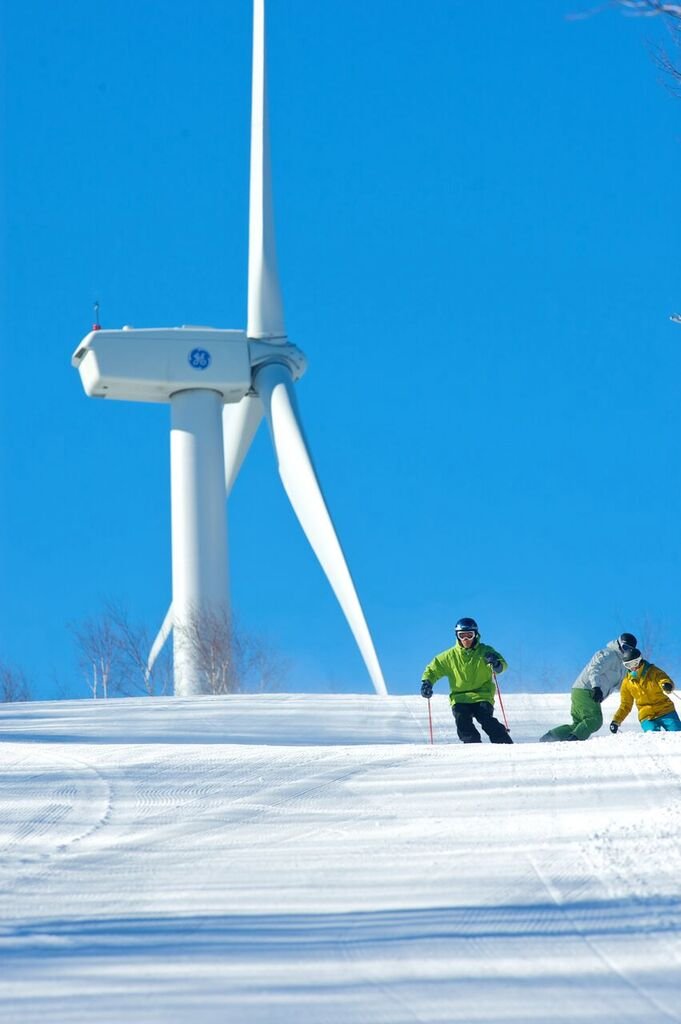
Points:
658	646
14	685
97	645
229	659
134	644
112	656
650	639
113	652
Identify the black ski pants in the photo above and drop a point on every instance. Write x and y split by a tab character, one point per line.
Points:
482	711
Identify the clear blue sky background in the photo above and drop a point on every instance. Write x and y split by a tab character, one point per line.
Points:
477	221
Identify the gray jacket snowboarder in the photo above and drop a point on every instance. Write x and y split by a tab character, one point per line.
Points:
597	680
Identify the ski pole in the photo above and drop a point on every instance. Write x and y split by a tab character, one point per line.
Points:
501	703
430	722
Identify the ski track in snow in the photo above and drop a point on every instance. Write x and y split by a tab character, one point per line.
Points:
266	858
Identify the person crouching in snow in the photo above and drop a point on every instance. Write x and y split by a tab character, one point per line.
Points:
469	666
597	680
649	687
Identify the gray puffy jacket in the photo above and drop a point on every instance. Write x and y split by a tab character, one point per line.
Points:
606	669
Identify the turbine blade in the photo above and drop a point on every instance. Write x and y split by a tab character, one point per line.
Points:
275	387
161	637
240	422
265	307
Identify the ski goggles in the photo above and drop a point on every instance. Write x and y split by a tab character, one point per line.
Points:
633	663
466	634
626	648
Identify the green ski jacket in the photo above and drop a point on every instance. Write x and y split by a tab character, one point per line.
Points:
470	677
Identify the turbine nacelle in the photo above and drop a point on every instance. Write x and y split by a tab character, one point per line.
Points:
153	364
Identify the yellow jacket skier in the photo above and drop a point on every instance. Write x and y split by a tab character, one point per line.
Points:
648	687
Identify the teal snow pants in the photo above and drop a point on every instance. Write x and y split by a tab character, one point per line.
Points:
669	722
587	718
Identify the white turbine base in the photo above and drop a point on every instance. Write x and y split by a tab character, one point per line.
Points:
199	527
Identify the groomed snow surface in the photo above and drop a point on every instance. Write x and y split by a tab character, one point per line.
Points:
312	859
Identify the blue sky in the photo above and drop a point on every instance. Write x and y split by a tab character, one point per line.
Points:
479	252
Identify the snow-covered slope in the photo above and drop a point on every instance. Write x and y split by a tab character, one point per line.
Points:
313	858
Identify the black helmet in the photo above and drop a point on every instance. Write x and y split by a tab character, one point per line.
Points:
632	660
626	643
465	625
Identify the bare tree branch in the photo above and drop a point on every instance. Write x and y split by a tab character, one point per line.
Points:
14	685
667	65
671	17
650	8
230	660
133	648
113	651
97	645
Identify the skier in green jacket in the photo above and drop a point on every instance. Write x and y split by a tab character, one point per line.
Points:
469	666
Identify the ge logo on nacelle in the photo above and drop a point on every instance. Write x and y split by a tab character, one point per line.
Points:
199	359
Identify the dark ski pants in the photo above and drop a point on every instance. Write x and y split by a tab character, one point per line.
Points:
481	710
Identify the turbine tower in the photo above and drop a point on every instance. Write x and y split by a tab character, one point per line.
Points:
219	384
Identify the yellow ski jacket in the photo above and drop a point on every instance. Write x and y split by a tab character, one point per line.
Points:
644	686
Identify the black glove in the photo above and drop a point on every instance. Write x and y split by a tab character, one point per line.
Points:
494	662
614	727
597	694
667	687
426	689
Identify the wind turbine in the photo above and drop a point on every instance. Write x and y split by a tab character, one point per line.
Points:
219	384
